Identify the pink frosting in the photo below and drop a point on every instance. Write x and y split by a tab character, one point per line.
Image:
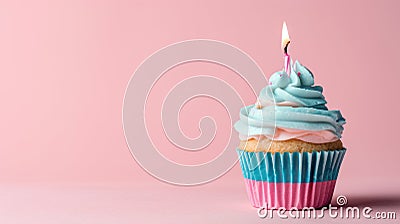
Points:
282	134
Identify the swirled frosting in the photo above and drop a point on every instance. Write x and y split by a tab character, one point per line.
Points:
291	107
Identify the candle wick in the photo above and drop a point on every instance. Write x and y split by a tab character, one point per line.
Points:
286	47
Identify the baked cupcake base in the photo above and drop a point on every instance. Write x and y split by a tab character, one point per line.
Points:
292	145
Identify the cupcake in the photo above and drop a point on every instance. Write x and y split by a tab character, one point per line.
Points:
290	150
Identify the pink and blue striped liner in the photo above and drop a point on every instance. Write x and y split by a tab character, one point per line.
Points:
290	180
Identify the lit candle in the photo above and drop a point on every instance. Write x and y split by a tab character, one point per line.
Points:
285	44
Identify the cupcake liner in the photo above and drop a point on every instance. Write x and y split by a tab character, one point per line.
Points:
288	180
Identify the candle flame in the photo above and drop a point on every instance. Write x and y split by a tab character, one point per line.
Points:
285	37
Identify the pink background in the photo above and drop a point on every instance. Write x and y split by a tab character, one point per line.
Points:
65	65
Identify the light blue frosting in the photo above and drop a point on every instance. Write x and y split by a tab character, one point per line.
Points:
290	101
297	88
